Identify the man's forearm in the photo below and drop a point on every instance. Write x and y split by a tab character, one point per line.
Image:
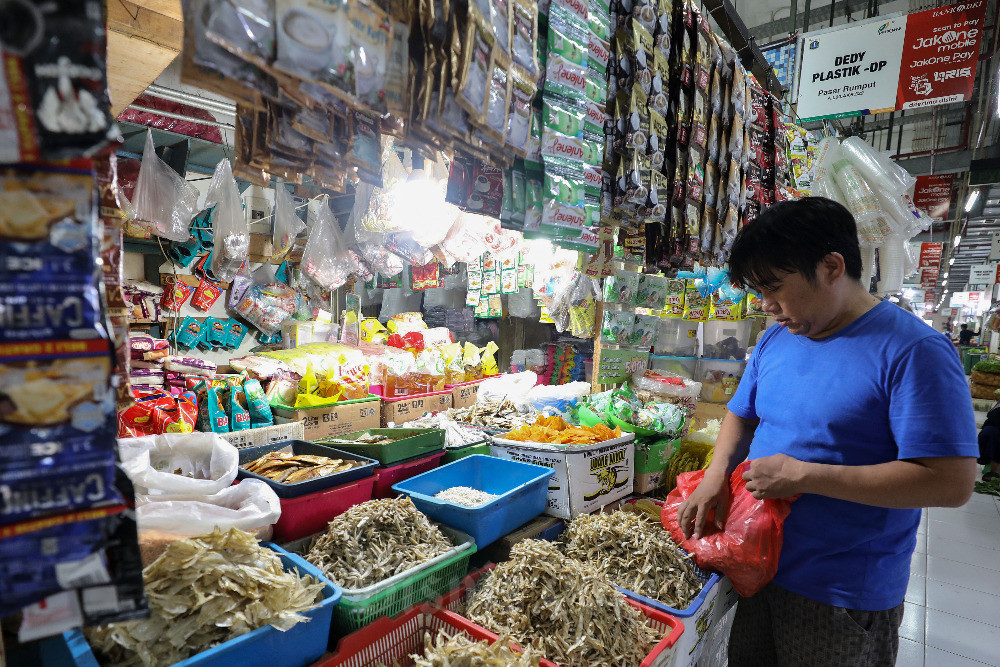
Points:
943	482
732	445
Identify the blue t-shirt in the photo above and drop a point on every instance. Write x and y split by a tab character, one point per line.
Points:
885	387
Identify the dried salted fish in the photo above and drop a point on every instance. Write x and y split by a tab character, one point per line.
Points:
635	553
375	540
561	607
465	495
203	591
288	468
500	415
459	651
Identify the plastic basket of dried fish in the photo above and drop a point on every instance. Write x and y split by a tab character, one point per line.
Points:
389	445
386	556
304	515
484	496
296	467
420	635
386	476
302	639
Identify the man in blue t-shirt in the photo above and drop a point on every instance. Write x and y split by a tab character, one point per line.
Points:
862	409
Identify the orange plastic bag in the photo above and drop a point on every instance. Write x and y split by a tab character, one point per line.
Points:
747	550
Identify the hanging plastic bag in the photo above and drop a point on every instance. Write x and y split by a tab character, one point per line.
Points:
230	231
187	464
287	225
748	548
326	259
162	198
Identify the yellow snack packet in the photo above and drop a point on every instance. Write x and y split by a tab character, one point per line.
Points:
490	366
308	384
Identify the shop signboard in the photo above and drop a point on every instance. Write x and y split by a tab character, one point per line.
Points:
929	277
959	300
929	298
983	274
940	54
619	365
995	247
850	71
930	255
932	194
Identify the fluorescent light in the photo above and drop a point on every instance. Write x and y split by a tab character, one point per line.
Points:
951	261
971	201
945	274
958	239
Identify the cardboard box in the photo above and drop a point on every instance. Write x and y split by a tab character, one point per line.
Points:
707	411
651	461
407	408
587	477
465	394
337	419
265	435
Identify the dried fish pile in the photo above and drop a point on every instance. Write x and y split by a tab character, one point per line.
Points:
366	439
459	651
561	607
288	468
465	495
635	553
203	591
496	415
375	540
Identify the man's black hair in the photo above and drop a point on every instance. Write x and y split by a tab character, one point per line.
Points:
963	326
793	237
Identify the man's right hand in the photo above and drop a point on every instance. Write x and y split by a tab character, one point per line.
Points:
711	494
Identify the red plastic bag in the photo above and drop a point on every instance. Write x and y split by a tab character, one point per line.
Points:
747	550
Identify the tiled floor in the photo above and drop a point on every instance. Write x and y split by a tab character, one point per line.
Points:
953	603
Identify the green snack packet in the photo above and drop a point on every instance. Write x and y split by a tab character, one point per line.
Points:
621	287
257	405
616	326
644	330
652	292
212	417
239	416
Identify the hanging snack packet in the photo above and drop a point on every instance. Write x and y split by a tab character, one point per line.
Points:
205	296
676	291
522	92
652	292
644	331
498	99
643	63
525	35
235	332
189	334
175	293
622	287
477	67
616	327
695	305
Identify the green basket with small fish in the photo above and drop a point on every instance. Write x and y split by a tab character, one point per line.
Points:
389	445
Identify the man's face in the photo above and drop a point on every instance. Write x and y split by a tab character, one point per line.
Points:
799	305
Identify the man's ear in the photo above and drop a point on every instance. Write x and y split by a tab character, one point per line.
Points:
832	267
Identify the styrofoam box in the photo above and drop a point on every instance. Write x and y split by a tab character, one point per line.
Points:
586	477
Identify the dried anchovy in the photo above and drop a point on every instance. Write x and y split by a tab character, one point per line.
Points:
203	591
375	540
634	553
460	651
493	414
465	495
561	607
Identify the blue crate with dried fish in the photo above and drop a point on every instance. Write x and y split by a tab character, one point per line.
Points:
294	468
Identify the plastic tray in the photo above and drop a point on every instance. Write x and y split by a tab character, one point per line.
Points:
299	646
455	602
631	428
386	476
413	442
455	453
391	641
588	417
522	487
308	514
312	485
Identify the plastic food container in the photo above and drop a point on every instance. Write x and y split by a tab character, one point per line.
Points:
719	379
299	646
308	514
676	338
686	367
522	488
411	442
726	340
386	476
312	485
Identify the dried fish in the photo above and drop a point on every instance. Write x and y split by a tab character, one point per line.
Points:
375	540
203	591
460	651
561	607
465	495
492	414
288	468
635	553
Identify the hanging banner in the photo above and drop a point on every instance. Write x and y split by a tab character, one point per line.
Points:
929	277
850	71
983	274
932	194
940	54
929	298
959	300
930	255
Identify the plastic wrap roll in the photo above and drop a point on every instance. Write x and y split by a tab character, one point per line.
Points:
877	169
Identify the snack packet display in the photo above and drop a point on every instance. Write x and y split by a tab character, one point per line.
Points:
616	327
623	287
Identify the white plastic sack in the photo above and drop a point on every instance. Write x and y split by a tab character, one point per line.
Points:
251	505
162	198
150	462
230	230
557	398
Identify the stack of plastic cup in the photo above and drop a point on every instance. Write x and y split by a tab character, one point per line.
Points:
891	264
861	201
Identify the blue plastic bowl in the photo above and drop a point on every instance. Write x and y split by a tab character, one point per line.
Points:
523	489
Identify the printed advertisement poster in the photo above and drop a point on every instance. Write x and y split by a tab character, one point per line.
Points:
932	194
930	255
940	53
928	277
850	71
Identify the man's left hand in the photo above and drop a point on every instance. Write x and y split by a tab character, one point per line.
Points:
774	476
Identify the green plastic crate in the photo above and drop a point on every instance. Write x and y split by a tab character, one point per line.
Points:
457	453
414	442
972	356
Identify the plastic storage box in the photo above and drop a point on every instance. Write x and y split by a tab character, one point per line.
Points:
686	367
386	476
522	488
719	379
308	514
676	338
726	340
299	646
455	453
312	485
412	442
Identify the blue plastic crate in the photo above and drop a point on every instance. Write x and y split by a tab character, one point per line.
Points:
523	489
299	646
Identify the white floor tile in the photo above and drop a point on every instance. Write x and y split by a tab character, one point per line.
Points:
965	553
935	657
963	602
962	574
918	565
979	500
916	592
977	508
911	653
912	627
983	522
961	636
950	532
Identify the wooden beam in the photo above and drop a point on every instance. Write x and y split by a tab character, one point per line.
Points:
171	8
130	19
141	44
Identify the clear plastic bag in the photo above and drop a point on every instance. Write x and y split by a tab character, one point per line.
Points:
326	259
287	225
206	463
230	231
162	198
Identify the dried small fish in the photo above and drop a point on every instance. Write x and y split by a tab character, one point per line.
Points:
561	607
288	468
460	651
375	540
497	415
465	495
635	553
203	591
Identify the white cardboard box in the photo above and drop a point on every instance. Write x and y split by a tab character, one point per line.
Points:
265	435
